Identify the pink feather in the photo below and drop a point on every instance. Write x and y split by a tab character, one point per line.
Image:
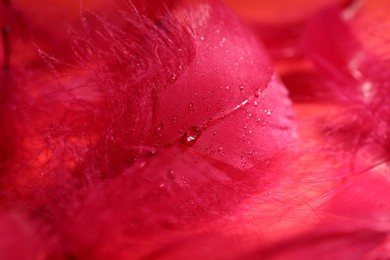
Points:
133	130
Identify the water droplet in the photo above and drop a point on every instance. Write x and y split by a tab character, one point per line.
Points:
215	132
268	112
201	38
220	149
227	87
222	42
174	120
241	87
170	175
159	130
142	165
191	106
191	135
172	78
255	103
257	92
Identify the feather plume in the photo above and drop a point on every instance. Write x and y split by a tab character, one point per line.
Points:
137	130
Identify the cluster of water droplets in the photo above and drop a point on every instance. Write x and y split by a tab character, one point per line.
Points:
190	135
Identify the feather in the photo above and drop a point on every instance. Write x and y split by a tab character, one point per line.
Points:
163	131
170	121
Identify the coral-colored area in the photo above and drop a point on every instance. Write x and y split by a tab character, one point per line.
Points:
183	130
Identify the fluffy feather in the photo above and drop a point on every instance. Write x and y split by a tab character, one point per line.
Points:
103	165
162	131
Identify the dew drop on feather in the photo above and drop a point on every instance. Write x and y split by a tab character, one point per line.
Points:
159	130
170	175
257	93
191	136
172	79
191	106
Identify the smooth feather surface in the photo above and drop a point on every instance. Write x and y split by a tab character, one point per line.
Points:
132	130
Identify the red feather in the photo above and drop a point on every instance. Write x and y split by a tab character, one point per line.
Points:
161	131
105	161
